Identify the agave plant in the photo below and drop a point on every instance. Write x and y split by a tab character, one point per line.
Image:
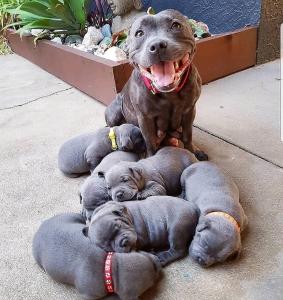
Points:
53	16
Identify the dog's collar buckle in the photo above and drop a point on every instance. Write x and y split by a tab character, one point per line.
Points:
108	280
227	216
112	137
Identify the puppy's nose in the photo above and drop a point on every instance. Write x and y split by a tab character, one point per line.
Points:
119	195
156	46
201	261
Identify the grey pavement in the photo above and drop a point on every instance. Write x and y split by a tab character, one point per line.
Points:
238	117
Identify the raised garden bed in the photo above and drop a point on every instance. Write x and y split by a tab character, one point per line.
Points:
102	79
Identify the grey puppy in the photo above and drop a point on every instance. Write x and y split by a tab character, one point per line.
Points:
222	216
68	256
163	224
164	87
93	191
157	175
83	153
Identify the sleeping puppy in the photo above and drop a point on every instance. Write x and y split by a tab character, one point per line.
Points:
163	224
156	175
83	153
68	256
93	191
222	216
162	92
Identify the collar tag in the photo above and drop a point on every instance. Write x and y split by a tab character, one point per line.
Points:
108	280
112	137
227	216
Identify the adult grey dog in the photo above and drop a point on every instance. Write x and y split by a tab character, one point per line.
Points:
83	153
68	256
163	224
164	87
157	175
93	192
222	216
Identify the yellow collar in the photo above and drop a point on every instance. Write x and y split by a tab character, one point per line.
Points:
112	137
227	216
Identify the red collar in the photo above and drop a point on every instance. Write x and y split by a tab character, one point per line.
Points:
108	280
151	87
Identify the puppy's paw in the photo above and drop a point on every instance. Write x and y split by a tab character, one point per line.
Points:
200	155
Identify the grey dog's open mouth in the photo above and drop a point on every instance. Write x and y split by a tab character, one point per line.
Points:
166	74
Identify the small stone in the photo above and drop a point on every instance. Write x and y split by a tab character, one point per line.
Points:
92	37
73	39
115	53
57	40
106	30
36	32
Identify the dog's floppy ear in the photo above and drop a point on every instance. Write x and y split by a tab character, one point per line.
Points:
137	4
85	231
136	172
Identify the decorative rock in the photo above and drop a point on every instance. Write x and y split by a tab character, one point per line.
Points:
106	31
57	40
106	41
73	39
36	32
115	53
92	37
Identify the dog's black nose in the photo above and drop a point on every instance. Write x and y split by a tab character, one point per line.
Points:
119	195
156	46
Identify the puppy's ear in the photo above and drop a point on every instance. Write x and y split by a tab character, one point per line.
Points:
85	231
204	225
136	172
137	4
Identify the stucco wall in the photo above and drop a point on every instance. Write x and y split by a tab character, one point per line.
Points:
269	30
221	16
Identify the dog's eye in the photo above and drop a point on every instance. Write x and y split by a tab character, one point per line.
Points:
124	179
176	25
108	188
139	33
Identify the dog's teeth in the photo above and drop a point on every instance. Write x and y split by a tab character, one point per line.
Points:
176	65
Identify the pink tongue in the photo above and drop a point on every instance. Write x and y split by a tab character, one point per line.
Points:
164	73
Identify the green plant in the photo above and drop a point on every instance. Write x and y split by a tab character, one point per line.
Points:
5	17
53	16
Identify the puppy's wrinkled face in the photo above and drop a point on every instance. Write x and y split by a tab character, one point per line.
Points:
215	240
131	139
93	193
161	44
124	181
111	228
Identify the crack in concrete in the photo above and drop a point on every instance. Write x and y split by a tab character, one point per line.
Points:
238	146
34	100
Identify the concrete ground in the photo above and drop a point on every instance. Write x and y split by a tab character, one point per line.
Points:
237	124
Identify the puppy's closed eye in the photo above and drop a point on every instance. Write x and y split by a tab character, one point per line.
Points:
125	179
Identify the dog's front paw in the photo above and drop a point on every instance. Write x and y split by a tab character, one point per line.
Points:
200	155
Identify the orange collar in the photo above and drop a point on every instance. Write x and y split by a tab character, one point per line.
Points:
227	216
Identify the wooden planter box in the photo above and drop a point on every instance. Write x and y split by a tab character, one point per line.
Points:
102	79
